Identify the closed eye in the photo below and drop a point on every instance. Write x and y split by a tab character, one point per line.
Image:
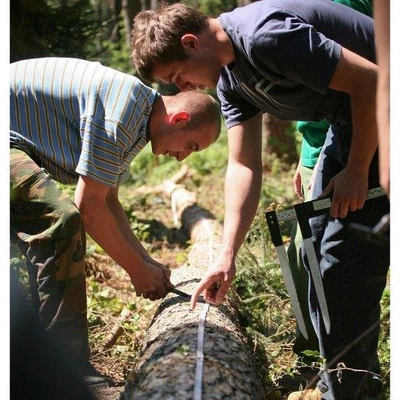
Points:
176	78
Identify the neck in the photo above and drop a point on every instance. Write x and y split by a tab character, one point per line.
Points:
221	42
157	117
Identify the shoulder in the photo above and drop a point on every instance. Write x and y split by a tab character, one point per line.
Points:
235	107
262	24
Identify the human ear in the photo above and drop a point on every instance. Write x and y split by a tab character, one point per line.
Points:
189	41
180	116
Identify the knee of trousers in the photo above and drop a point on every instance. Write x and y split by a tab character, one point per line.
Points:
65	225
70	223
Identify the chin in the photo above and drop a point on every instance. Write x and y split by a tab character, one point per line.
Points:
155	152
214	83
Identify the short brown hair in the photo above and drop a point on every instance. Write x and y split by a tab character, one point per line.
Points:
156	36
204	109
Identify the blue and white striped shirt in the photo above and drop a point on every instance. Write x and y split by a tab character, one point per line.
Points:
78	117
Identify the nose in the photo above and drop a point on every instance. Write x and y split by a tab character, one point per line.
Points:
183	86
181	155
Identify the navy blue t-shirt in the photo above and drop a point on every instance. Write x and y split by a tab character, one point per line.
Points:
286	53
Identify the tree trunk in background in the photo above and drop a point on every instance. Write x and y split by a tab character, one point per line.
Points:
115	8
166	368
280	140
154	4
129	9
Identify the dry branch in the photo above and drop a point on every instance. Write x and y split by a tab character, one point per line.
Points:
166	367
118	328
164	187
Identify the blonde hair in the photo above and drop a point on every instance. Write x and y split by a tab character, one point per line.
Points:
156	36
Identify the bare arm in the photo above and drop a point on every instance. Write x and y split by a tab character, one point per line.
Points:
106	222
297	182
356	76
382	34
242	183
242	192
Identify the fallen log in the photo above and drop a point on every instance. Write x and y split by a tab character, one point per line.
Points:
199	354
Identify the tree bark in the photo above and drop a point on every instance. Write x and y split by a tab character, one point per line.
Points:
129	9
115	9
170	356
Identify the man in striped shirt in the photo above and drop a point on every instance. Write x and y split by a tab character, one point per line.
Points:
74	121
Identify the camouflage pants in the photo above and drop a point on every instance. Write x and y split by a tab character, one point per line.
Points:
47	227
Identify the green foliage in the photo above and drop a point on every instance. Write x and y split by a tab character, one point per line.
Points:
74	28
52	28
259	282
19	272
141	230
183	349
68	189
213	8
70	28
384	341
147	169
115	54
101	298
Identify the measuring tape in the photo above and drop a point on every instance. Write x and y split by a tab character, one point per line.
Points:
198	380
321	204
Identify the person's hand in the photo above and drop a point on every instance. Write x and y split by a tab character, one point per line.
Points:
312	179
215	283
349	188
152	281
297	183
157	264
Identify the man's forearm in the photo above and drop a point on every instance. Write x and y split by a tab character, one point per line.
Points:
242	183
106	222
365	138
104	229
242	194
358	77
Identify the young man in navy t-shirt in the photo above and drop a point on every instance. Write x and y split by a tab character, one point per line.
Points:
298	60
